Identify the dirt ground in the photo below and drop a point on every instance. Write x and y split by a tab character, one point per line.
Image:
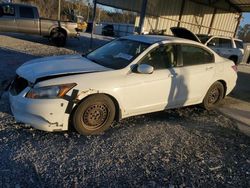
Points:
187	147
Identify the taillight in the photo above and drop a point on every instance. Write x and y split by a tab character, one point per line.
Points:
235	68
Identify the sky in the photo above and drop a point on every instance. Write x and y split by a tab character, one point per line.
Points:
246	19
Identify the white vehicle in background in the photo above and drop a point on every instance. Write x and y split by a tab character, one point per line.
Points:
129	76
228	47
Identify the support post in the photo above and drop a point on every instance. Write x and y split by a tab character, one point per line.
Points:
181	12
93	26
238	24
212	21
59	10
142	15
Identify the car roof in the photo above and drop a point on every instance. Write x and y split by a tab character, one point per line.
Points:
151	39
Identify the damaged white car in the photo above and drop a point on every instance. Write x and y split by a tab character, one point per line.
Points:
126	77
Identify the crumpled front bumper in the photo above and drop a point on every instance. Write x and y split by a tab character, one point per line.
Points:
43	114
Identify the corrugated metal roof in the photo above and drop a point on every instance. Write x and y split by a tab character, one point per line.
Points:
228	5
135	5
243	5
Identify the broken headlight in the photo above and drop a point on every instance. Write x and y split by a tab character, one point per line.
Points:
50	92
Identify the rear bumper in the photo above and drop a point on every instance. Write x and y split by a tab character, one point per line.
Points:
43	114
231	83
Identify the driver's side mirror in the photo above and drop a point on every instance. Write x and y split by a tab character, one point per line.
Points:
145	69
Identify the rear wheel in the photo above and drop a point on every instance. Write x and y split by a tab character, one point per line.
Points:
58	38
94	115
214	95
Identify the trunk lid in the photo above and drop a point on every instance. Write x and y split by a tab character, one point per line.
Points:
184	33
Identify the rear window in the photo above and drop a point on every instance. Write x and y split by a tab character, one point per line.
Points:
26	12
239	44
7	10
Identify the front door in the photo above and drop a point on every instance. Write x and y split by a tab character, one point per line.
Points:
27	22
152	92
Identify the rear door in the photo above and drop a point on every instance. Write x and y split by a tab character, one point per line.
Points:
28	21
196	73
7	18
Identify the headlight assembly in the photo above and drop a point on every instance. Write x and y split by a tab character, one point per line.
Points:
50	92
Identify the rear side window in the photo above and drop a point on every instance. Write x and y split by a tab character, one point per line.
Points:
26	12
193	55
163	57
7	10
225	43
239	44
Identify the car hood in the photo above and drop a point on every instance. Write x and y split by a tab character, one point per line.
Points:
56	66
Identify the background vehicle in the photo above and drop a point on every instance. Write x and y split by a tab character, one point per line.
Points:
108	30
21	18
129	76
227	47
81	24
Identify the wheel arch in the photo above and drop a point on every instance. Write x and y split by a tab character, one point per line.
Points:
62	29
223	82
118	113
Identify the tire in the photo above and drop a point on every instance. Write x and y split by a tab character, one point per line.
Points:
94	115
214	95
234	59
59	38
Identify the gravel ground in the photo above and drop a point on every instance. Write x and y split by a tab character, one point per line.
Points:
188	147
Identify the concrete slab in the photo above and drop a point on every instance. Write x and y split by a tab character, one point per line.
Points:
237	104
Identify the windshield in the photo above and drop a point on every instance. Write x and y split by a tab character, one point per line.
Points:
117	54
203	38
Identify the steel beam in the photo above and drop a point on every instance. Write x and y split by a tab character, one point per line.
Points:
142	15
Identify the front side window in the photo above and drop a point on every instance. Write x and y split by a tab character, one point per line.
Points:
162	57
26	12
215	42
7	10
193	55
225	43
239	44
117	54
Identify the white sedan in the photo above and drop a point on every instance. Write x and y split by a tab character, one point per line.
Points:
129	76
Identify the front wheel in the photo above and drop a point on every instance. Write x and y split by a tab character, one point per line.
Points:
214	95
94	115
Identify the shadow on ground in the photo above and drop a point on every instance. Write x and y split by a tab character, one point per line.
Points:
242	89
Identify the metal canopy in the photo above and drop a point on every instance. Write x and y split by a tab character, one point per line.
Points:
230	5
135	5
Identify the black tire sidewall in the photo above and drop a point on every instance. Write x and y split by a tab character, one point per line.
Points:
58	38
77	116
206	104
